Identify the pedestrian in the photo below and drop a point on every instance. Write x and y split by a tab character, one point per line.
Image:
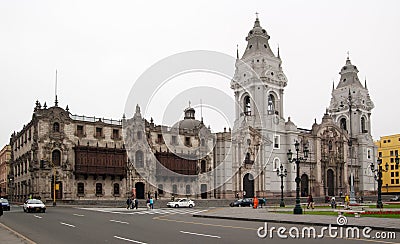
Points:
237	195
244	194
128	203
340	194
264	202
132	203
136	203
155	195
148	195
1	209
333	202
347	201
255	202
310	202
151	203
148	204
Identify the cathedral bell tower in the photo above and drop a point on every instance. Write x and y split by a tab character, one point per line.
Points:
351	108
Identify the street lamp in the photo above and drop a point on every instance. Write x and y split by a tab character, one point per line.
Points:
297	209
281	173
378	178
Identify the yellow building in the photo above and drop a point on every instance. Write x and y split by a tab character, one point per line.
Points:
5	155
388	150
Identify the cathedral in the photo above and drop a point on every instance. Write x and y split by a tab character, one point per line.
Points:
62	156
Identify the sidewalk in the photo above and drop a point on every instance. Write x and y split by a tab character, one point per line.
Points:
9	236
266	215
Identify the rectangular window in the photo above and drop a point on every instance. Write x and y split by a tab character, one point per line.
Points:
174	141
99	189
159	138
380	154
392	181
99	132
115	134
397	174
369	153
81	188
392	167
391	153
79	130
396	152
187	141
276	142
116	189
391	160
396	166
392	174
397	181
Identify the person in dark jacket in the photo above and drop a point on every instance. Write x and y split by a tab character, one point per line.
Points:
310	202
1	209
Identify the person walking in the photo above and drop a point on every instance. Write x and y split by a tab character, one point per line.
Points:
151	203
333	202
1	209
155	195
255	202
128	203
136	203
148	204
310	202
347	201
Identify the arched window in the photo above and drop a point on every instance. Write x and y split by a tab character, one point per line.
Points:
56	127
343	123
116	189
139	159
363	130
56	157
271	104
247	106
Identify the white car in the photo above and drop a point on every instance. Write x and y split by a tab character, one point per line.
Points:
34	205
180	203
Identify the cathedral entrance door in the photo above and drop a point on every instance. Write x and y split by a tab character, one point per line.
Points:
59	190
139	190
248	185
304	185
331	182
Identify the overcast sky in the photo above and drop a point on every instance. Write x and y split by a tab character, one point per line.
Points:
100	48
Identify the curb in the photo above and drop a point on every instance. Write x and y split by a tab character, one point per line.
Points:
18	235
294	222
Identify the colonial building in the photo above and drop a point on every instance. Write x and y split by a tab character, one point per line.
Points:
82	157
5	155
388	151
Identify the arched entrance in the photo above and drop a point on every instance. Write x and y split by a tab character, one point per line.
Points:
304	185
330	182
139	190
248	185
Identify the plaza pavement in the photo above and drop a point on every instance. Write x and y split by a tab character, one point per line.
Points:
270	215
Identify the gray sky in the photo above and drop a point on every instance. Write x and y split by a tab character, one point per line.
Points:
100	48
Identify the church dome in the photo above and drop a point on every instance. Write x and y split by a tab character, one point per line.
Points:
189	122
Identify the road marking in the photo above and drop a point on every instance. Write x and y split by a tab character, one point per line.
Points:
37	216
117	221
199	234
125	239
73	226
79	215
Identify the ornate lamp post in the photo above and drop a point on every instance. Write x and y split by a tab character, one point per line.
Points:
378	178
281	173
297	209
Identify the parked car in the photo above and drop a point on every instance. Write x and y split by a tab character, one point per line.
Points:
245	202
5	204
181	202
395	198
34	205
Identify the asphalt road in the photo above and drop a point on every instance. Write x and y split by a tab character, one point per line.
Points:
106	225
